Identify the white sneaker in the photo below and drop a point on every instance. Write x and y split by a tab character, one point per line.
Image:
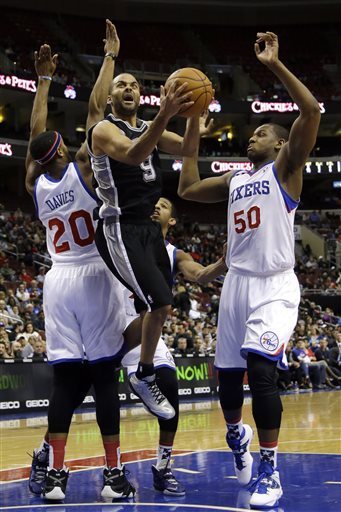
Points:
151	396
242	457
267	489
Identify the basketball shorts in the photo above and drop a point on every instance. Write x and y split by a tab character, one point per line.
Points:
162	357
256	314
84	313
137	256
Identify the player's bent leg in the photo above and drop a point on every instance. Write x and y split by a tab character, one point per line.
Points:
163	477
267	412
239	435
143	382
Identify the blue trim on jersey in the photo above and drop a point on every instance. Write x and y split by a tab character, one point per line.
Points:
290	203
174	262
117	356
35	200
54	180
70	360
229	369
244	352
91	194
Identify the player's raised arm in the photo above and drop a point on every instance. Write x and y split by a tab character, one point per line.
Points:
100	92
292	157
45	66
191	187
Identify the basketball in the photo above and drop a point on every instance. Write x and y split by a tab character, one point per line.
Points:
199	84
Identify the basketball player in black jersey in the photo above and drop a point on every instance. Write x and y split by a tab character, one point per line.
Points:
124	158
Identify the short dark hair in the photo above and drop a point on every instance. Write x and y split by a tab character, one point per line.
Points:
280	131
42	144
174	212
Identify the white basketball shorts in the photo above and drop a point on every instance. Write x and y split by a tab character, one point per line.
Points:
256	314
162	357
84	313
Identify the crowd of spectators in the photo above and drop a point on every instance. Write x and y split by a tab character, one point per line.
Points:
314	351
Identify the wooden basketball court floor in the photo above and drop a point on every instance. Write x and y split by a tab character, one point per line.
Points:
309	459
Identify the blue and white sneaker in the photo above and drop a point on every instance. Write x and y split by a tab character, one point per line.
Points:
266	490
165	481
242	457
37	478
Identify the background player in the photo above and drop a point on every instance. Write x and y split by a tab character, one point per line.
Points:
126	167
260	297
165	369
78	287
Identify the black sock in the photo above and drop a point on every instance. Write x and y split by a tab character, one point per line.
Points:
144	370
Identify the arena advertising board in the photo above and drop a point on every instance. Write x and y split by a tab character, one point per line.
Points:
26	385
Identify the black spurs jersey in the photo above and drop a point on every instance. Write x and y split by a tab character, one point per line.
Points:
126	190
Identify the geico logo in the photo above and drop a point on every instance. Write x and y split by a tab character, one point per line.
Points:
36	403
122	396
202	390
88	399
133	397
10	424
9	405
185	391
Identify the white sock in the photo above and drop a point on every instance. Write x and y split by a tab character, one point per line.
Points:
235	430
163	456
269	455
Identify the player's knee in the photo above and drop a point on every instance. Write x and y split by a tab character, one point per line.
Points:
262	375
231	392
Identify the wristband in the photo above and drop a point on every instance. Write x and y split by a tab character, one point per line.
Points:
111	54
45	77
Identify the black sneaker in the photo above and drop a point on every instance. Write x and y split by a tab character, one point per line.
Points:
55	485
165	481
116	485
40	462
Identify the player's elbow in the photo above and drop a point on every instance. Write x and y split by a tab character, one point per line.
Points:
184	193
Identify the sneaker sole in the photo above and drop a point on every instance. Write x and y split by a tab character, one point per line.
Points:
170	493
107	492
149	410
55	495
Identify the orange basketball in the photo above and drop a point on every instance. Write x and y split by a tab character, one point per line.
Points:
199	84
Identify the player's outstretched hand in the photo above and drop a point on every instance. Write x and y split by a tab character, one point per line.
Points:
174	99
269	54
111	41
206	128
44	63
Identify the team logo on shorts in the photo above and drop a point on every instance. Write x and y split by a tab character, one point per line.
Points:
269	340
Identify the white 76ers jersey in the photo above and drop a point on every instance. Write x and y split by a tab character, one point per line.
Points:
65	208
260	223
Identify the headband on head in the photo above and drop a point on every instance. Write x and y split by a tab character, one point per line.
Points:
52	151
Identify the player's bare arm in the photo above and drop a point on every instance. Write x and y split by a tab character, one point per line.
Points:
293	155
174	144
45	66
134	152
193	271
191	187
99	95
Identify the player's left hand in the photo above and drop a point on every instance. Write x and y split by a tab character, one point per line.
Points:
44	63
205	128
111	41
269	55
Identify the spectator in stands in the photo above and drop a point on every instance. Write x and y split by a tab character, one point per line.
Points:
335	355
38	349
22	294
5	317
2	280
41	275
198	347
3	351
17	350
181	349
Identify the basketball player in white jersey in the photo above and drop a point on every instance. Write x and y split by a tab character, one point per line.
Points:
82	300
260	297
165	369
